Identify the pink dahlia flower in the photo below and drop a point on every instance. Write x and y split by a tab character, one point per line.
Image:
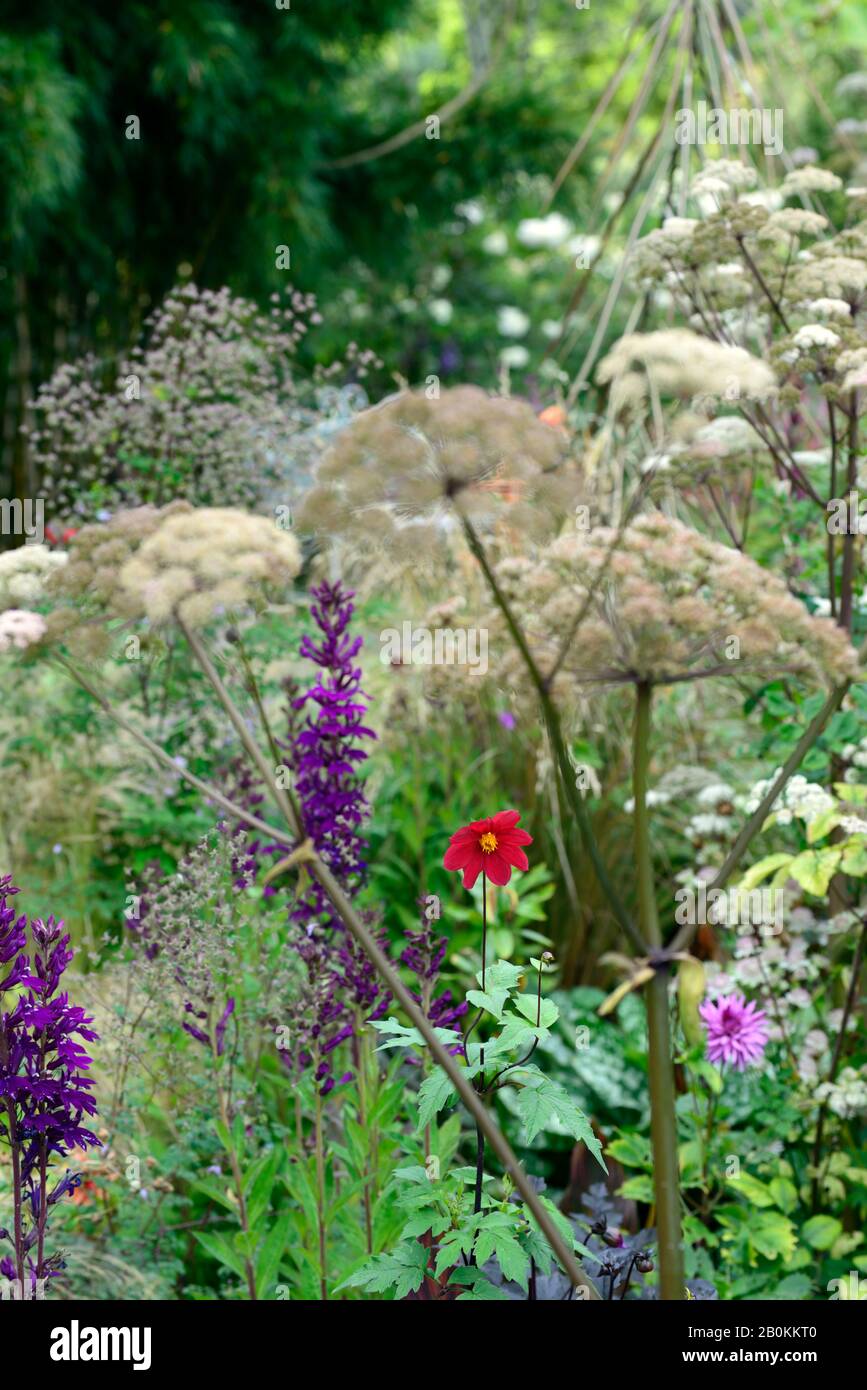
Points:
736	1031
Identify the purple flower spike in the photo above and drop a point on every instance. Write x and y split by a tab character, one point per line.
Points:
45	1088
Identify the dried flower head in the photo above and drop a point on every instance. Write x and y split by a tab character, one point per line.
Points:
195	563
664	604
389	479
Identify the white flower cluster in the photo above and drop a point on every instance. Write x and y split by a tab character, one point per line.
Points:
806	800
815	335
847	1096
855	753
810	179
677	362
19	628
24	572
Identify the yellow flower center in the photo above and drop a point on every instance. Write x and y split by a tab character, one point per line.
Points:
488	842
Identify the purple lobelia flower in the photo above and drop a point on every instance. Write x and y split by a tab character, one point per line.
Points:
329	745
736	1031
328	734
45	1088
424	956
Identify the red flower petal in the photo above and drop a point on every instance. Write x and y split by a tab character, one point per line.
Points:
472	871
504	820
515	837
513	855
497	869
464	837
459	856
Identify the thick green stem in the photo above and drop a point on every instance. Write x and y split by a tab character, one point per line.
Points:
663	1118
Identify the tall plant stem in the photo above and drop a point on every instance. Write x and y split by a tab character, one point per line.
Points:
480	1085
361	1067
320	1201
663	1118
555	734
383	966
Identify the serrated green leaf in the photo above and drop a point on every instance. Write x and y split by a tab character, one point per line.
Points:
435	1093
492	1000
545	1104
403	1270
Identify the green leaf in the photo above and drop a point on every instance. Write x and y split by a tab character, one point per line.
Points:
633	1150
772	1234
512	1259
220	1248
482	1291
823	824
794	1288
402	1270
757	1193
754	876
545	1104
784	1193
398	1035
850	791
820	1232
815	868
258	1182
492	1000
435	1093
271	1253
854	859
453	1245
527	1004
709	1073
502	975
216	1194
639	1188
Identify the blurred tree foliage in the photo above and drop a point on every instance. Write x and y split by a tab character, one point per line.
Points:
249	117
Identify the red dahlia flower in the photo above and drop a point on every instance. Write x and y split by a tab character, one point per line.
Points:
491	847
